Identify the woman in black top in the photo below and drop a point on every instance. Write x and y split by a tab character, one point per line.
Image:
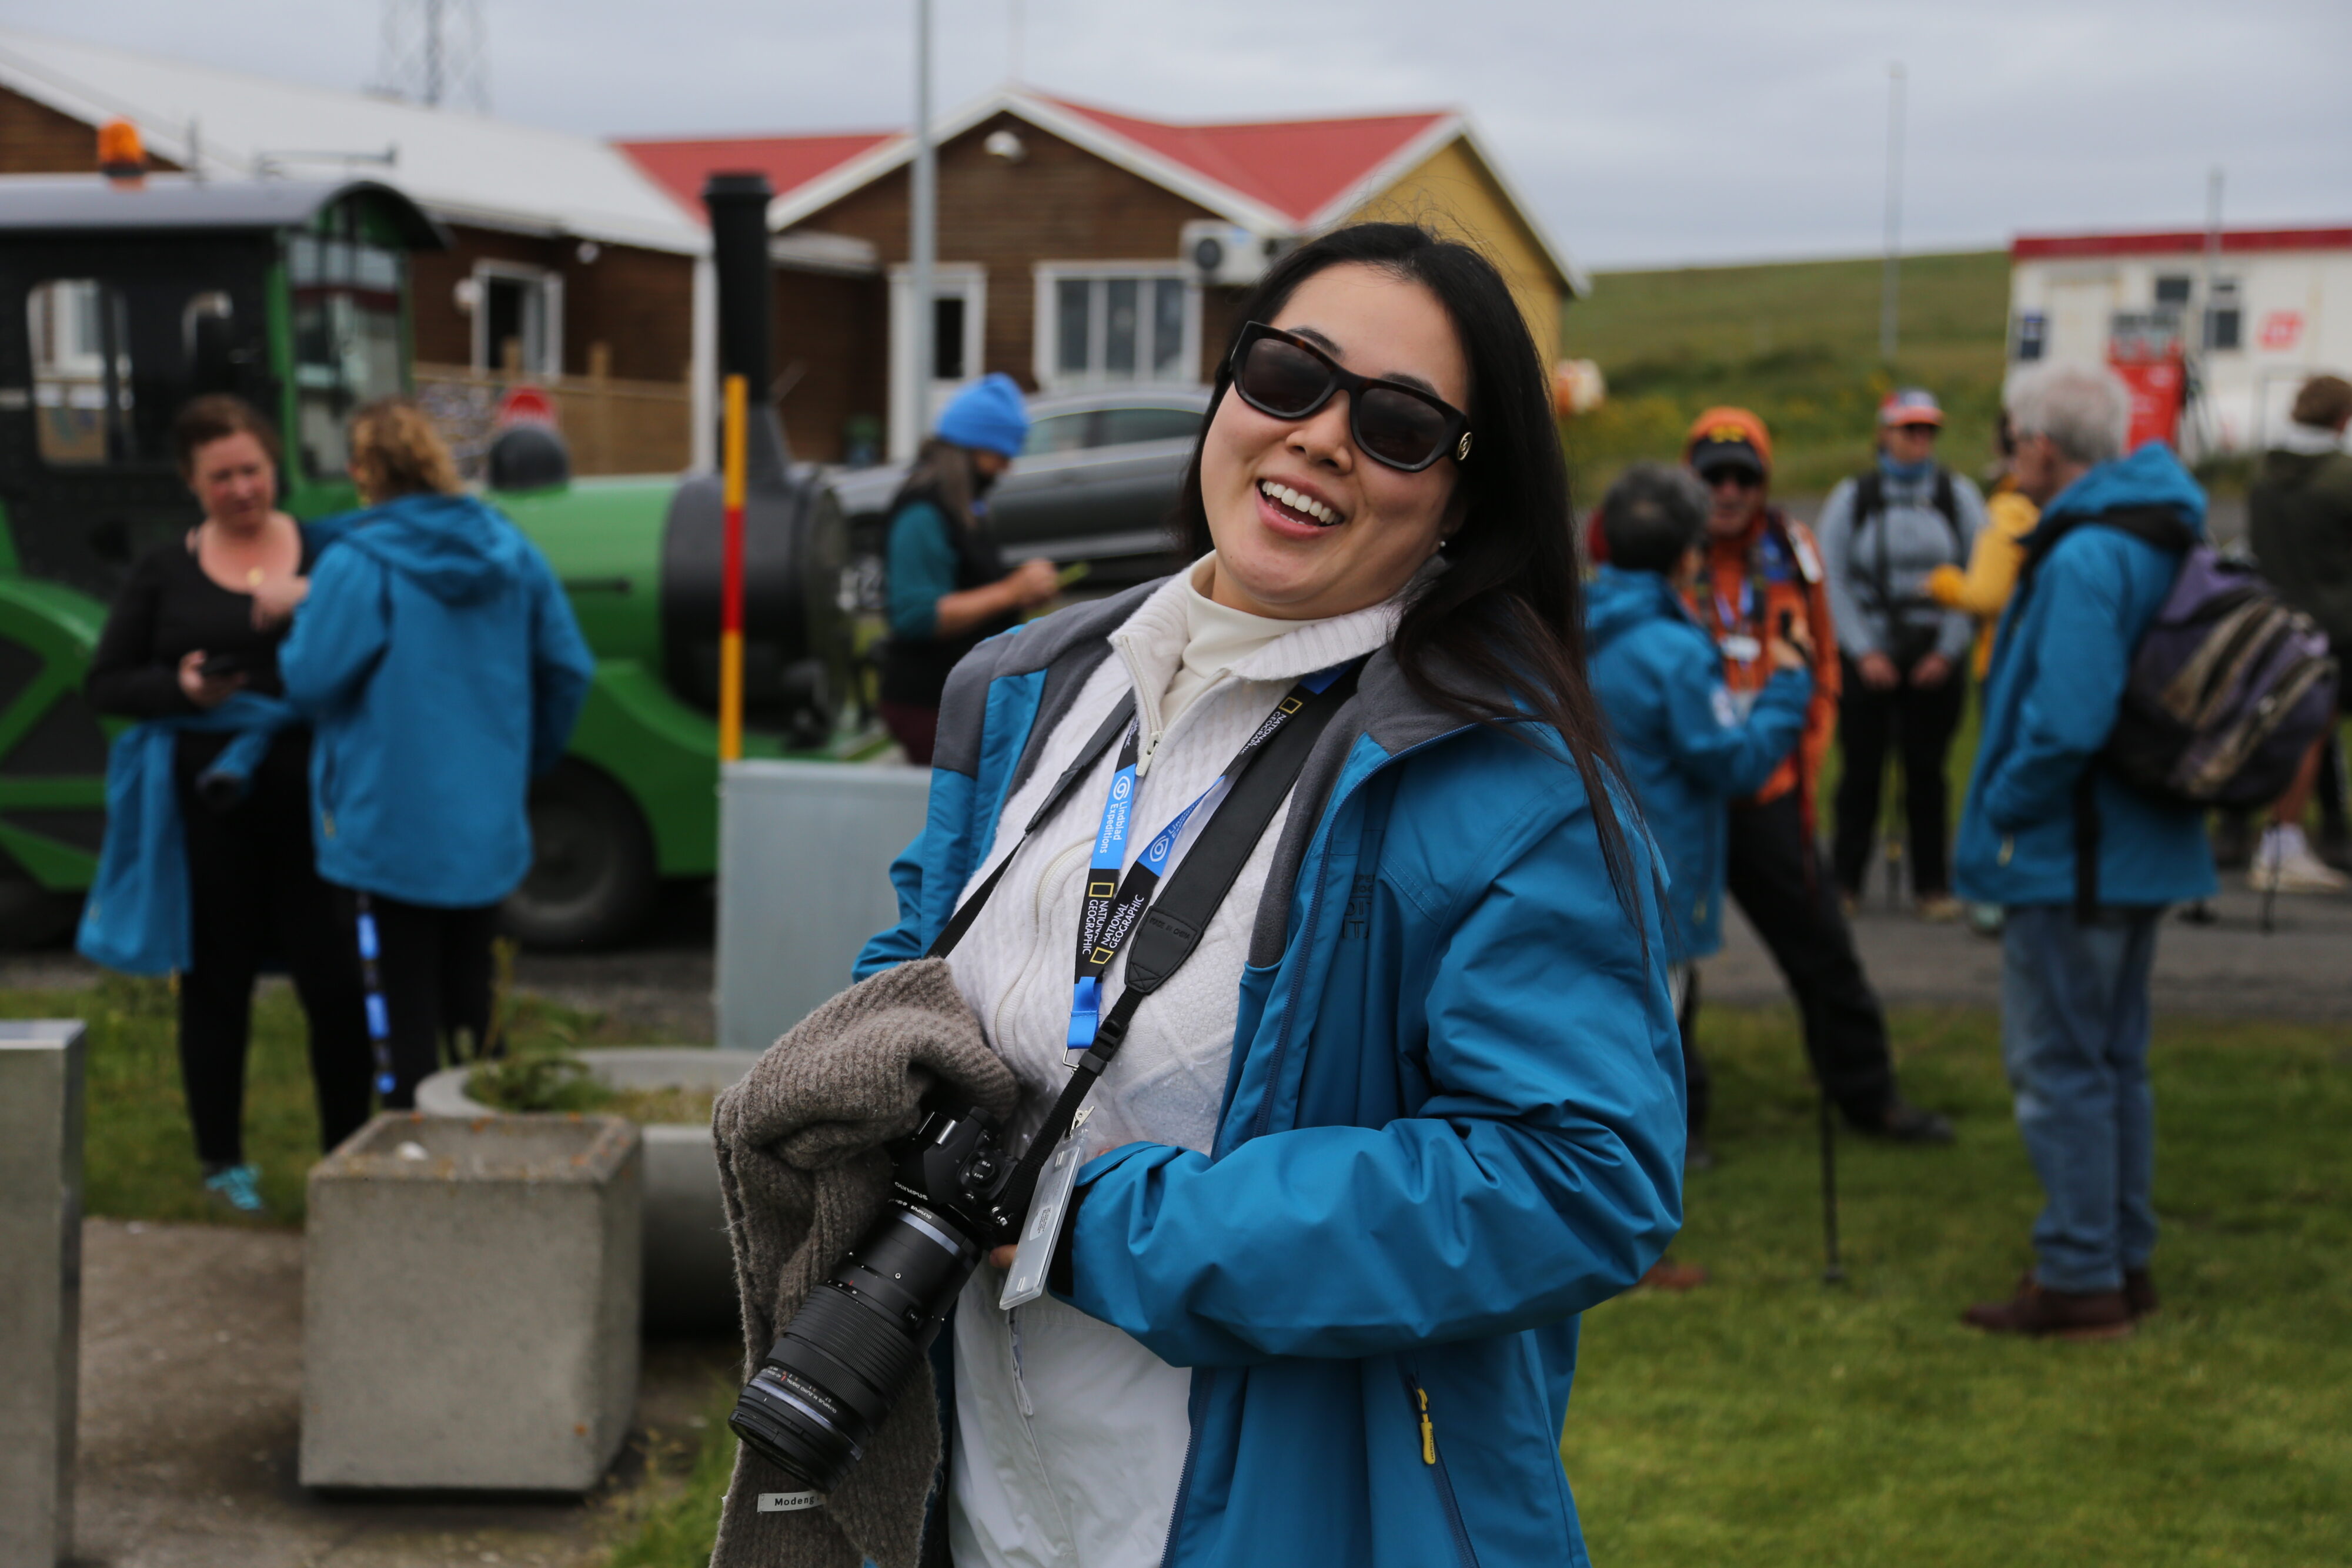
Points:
219	599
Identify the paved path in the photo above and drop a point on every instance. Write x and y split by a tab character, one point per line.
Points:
191	1395
2302	968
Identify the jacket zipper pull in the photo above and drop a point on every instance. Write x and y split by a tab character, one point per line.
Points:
1428	1432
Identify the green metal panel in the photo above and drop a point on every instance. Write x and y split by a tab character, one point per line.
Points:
603	537
663	754
60	626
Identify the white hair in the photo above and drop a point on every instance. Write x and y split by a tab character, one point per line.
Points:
2085	409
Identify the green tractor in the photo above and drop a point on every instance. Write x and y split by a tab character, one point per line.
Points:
120	300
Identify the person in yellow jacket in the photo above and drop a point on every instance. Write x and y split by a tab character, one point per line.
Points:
1983	589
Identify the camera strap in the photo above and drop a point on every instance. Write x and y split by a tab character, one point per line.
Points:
1165	929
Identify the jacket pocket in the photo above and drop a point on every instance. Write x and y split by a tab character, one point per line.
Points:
1417	1401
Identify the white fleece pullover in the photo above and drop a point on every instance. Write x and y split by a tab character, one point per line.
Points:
1069	1435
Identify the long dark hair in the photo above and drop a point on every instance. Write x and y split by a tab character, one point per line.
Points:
942	475
1498	636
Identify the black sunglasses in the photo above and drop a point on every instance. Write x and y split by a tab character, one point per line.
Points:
1393	423
1733	474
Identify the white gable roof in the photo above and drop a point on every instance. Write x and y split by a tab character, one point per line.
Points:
463	168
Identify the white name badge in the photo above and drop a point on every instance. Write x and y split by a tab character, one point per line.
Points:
1747	650
1043	1229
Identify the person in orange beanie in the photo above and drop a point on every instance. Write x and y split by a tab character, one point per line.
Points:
1762	581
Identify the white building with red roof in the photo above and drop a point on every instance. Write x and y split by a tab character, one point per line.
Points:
1078	246
2275	306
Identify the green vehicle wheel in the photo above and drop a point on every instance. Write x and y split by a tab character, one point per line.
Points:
591	876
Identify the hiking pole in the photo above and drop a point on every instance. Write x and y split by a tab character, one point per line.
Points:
1832	1270
1809	856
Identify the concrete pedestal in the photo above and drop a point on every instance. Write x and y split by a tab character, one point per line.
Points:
41	1066
804	853
689	1265
469	1315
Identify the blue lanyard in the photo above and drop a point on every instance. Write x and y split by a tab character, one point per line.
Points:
1114	907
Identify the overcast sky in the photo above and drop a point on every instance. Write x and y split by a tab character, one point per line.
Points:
1664	133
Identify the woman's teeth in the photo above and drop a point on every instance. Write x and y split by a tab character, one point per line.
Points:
1308	506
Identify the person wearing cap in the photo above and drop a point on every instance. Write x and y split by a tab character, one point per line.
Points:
948	588
1884	534
1762	579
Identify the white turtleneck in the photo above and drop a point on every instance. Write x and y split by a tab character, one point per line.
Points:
1216	638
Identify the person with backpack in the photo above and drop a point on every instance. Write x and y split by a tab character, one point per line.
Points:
1686	743
2082	863
2299	522
1884	534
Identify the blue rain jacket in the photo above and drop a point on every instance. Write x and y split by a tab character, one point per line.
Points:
137	916
439	663
1682	737
2060	661
1453	1121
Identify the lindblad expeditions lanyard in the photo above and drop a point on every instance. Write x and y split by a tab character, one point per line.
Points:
1115	905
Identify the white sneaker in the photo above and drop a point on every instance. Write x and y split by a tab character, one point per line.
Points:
2284	863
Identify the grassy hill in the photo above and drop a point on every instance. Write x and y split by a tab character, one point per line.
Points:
1796	341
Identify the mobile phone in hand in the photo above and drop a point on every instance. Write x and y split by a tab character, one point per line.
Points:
220	666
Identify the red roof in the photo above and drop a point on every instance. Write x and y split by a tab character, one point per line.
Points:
2037	248
1298	167
680	167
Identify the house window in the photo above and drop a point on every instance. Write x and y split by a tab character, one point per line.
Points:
2224	317
518	319
2172	291
2032	335
1117	322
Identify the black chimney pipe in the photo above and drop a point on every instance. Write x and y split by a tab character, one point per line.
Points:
738	204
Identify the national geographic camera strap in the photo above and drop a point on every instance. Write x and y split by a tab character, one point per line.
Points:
1164	929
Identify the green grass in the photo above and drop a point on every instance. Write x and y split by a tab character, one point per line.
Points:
140	1159
1796	341
1766	1419
1763	1419
671	1519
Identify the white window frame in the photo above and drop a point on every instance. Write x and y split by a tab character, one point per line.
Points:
549	284
1045	345
965	280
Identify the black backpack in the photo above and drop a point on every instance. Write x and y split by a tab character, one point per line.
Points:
1913	643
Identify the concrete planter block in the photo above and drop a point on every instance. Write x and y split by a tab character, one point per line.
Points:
41	1067
689	1267
469	1312
804	853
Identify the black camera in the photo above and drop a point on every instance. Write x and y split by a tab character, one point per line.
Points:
833	1373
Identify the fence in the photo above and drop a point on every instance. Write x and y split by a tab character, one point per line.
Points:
613	427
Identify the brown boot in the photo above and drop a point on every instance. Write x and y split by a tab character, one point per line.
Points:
1670	1276
2067	1314
2139	1292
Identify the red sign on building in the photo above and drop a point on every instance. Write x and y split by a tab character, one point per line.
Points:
2281	329
2157	386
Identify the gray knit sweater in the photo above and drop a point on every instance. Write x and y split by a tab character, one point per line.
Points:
803	1170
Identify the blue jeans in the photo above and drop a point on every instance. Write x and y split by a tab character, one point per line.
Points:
2074	1034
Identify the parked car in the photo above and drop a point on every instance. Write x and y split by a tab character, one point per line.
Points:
1095	483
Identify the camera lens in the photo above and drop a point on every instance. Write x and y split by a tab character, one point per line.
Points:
833	1373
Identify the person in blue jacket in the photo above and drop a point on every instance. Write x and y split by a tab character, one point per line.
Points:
2074	984
1690	745
1416	1101
946	586
440	669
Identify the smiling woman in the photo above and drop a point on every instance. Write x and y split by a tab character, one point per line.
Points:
1408	1100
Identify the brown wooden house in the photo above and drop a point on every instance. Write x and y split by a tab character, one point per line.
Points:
1078	248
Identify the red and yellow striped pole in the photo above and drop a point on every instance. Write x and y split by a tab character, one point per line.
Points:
731	581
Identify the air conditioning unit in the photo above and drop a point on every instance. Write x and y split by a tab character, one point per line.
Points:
1224	255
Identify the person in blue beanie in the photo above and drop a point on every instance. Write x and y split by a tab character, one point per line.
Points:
2075	1004
948	586
1689	746
439	663
200	877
